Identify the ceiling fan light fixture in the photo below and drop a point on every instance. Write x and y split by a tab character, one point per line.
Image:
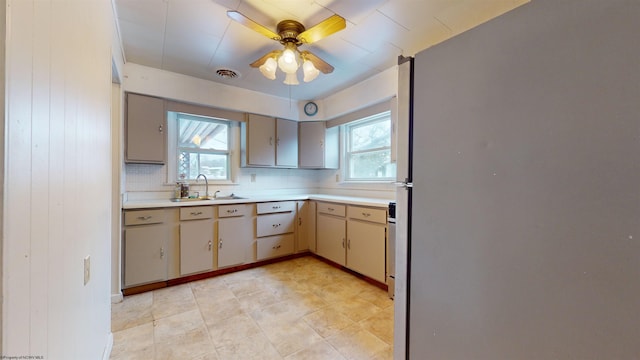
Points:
291	79
288	62
268	69
310	71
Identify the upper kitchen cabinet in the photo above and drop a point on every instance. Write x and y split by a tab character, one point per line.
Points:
319	146
145	126
269	142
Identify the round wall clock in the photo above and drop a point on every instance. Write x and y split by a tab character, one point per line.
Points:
310	108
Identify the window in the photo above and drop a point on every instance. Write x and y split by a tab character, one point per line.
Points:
202	147
368	149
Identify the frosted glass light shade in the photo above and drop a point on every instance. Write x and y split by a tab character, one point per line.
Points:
268	69
310	71
287	62
291	79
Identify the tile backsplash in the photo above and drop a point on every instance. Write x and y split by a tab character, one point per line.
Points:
149	181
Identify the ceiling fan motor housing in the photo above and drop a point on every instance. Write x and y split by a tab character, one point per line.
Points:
289	31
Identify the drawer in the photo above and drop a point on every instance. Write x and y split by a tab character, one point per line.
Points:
367	214
332	209
276	207
196	212
275	246
139	217
234	210
274	224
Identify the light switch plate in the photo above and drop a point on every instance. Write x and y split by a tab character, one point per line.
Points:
87	269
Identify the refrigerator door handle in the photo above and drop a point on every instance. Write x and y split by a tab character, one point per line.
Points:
404	184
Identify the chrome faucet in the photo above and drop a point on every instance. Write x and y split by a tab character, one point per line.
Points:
206	185
215	195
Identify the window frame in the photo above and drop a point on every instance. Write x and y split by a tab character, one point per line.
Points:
174	150
348	153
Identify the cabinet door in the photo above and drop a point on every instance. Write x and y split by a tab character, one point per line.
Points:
311	142
261	139
287	143
235	236
302	226
331	238
145	130
196	246
366	249
145	254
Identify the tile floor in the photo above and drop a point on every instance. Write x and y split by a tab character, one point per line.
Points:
298	309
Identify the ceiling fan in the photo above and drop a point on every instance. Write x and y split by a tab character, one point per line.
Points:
291	34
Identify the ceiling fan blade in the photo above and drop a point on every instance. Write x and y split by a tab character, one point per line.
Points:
320	64
264	58
325	28
238	17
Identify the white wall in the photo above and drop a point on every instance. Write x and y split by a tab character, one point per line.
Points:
145	181
57	179
3	24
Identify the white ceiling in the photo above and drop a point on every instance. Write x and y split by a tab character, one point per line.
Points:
195	37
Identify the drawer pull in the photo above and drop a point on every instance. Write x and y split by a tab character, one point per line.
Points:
275	207
210	245
232	211
276	247
196	213
145	218
276	225
366	214
331	209
161	252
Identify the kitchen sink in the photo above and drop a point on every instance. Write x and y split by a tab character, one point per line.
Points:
228	197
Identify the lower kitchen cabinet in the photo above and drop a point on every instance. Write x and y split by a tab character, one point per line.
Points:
146	246
275	229
196	239
354	237
235	235
331	235
306	226
366	244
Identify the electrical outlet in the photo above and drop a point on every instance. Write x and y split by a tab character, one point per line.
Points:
253	177
87	269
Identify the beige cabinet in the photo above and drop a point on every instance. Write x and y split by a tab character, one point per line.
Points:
331	232
275	229
269	142
196	239
318	146
146	247
145	125
353	236
306	226
235	234
366	241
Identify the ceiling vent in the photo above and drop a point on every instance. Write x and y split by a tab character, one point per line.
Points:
227	73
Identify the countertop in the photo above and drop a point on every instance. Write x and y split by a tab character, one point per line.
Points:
349	200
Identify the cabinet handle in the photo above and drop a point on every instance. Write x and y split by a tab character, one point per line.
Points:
161	252
220	244
194	213
160	128
349	244
271	140
278	141
276	225
144	218
366	214
275	207
330	209
321	143
210	245
343	243
231	211
299	221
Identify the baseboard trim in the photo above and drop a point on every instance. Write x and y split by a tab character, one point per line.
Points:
116	298
107	350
